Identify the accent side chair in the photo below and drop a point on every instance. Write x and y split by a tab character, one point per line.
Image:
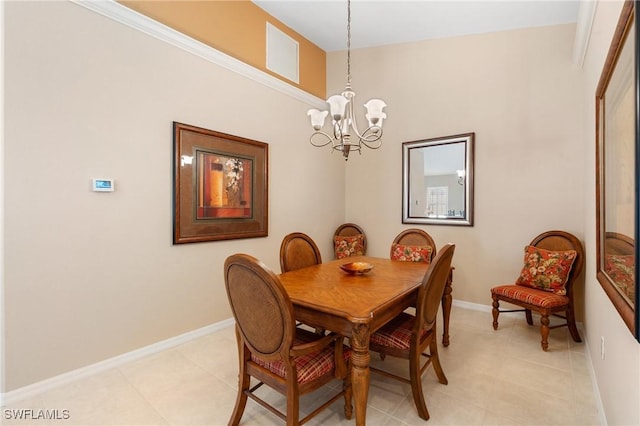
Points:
552	263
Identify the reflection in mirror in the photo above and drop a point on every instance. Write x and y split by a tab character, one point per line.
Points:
617	175
437	181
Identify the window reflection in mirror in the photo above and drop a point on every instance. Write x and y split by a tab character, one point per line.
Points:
437	182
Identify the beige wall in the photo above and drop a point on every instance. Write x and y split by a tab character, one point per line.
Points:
619	373
517	91
533	114
92	275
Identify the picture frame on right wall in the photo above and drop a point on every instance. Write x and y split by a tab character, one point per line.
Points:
617	178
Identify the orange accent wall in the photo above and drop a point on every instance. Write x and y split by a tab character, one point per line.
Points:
237	28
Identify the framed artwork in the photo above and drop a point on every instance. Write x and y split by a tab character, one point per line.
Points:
220	186
617	177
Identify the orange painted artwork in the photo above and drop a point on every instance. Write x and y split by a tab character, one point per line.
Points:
223	185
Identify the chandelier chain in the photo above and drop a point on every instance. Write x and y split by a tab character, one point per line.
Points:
349	43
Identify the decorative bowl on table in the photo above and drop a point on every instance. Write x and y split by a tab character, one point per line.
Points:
356	267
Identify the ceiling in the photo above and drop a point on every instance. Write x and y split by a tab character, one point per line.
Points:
382	22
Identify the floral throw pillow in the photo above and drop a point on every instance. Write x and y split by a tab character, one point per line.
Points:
348	246
546	270
621	268
405	253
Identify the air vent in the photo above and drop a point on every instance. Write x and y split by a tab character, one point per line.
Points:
282	54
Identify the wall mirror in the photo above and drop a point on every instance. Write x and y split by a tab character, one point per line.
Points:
617	172
437	181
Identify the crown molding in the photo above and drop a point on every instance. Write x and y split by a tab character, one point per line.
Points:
119	13
586	15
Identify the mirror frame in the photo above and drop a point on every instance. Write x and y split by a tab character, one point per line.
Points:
622	34
467	220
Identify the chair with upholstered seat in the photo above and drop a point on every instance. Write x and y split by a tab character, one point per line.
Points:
416	245
273	351
349	240
408	336
552	263
298	250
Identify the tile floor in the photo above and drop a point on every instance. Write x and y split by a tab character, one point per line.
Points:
495	378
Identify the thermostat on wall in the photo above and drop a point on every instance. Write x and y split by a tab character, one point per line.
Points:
103	185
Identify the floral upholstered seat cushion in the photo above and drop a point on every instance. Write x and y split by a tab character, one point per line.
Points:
348	246
621	269
308	367
546	270
406	253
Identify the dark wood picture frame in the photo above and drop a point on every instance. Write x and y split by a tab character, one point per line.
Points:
617	177
220	186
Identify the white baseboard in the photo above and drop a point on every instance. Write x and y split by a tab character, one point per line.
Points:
594	382
471	306
71	376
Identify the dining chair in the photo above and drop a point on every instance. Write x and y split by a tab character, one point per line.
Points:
349	240
416	245
552	263
273	351
413	245
297	251
409	336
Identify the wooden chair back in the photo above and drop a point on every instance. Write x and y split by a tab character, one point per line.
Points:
619	244
348	230
432	289
351	230
297	251
415	237
261	307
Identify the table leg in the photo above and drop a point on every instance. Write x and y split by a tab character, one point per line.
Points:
360	378
446	308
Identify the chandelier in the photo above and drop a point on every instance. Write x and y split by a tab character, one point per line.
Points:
343	119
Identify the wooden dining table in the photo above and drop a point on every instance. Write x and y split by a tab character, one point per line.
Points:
356	305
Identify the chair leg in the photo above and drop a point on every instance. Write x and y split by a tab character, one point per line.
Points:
416	384
435	360
348	395
293	406
571	323
495	311
244	382
544	331
527	314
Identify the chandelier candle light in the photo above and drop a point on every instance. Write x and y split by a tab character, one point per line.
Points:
343	118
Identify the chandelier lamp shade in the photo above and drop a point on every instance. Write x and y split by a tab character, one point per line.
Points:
344	135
